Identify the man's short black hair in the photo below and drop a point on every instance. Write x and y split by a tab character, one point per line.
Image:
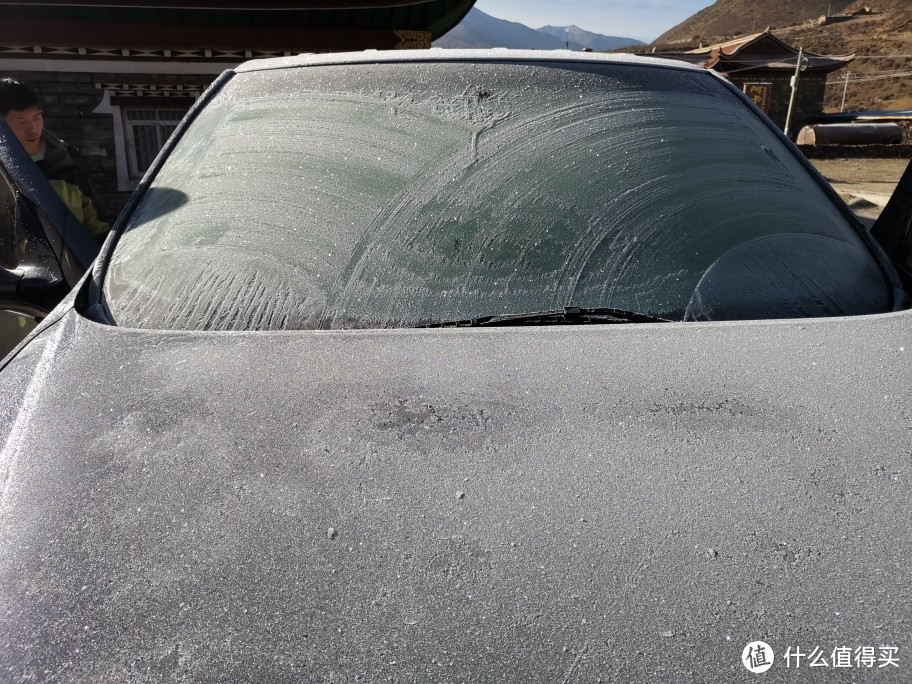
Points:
16	95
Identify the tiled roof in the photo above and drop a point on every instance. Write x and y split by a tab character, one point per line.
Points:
760	51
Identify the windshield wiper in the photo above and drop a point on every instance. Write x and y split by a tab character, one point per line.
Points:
571	315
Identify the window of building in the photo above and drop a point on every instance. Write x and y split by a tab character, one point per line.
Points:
145	131
144	116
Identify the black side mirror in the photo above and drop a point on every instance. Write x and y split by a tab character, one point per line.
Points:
44	250
893	228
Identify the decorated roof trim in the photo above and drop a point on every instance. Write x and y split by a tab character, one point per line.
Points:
61	52
136	38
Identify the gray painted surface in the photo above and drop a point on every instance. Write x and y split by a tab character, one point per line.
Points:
630	503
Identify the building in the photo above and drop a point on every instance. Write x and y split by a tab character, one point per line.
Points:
116	76
762	66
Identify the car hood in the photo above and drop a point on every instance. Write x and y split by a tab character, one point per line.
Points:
630	503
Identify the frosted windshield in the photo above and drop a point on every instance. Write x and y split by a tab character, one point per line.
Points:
390	195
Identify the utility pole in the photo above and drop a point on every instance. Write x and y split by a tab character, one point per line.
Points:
799	67
844	91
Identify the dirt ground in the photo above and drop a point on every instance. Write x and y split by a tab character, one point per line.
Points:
865	184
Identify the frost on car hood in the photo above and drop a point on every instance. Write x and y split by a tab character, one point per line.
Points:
623	503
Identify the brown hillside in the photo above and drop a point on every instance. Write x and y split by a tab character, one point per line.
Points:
879	33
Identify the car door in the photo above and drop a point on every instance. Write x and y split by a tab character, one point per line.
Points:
44	250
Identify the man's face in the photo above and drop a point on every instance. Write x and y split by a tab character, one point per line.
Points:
27	124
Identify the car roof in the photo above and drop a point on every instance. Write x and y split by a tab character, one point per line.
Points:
447	55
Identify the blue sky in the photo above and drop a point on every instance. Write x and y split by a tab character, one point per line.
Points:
644	20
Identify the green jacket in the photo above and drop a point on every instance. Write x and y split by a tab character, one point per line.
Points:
57	164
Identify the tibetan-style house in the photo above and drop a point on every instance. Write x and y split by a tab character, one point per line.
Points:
763	65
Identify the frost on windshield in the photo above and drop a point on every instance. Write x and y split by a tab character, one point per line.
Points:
316	199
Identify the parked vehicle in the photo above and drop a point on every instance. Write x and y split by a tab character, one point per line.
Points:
460	366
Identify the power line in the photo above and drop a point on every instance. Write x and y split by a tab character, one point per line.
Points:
868	74
835	57
858	78
864	79
882	56
875	76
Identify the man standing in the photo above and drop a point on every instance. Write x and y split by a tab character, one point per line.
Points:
20	108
